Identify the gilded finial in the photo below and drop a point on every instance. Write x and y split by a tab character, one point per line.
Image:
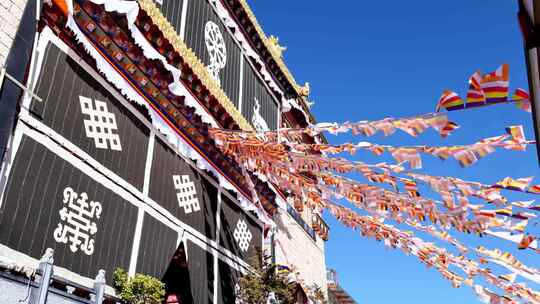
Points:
275	47
304	90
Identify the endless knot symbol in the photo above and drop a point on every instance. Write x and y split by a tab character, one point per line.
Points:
187	195
100	124
242	235
77	226
215	45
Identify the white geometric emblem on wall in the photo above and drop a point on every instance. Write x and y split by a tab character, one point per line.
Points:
100	124
215	46
242	235
187	195
257	119
77	226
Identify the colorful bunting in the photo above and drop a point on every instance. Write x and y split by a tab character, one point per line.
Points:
413	126
488	89
495	85
519	184
475	95
520	94
466	155
311	179
411	187
450	101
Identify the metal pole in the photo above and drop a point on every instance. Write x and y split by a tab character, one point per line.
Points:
45	270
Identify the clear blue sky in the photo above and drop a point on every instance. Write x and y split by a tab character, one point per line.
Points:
367	60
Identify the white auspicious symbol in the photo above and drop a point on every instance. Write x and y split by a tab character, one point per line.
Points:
187	195
242	235
257	120
77	226
215	45
100	124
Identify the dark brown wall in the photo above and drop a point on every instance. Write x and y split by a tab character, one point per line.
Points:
254	88
31	213
166	164
158	244
172	10
198	14
61	84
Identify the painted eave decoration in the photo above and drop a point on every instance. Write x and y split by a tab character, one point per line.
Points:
153	23
109	33
272	60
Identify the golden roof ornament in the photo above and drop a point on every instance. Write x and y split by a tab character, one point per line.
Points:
304	90
275	48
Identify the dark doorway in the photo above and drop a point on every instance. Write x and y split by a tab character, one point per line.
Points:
176	279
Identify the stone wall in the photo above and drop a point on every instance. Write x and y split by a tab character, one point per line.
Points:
10	17
296	248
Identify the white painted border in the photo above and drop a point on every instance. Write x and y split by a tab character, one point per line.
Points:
183	21
136	243
218	231
241	92
9	156
149	160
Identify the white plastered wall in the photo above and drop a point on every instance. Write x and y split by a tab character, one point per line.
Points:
294	247
10	17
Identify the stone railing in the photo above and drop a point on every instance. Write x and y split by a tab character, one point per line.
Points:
23	284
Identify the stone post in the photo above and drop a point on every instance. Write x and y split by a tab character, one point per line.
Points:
45	271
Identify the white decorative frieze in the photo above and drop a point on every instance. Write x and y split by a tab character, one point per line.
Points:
100	124
77	225
215	46
187	194
242	235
